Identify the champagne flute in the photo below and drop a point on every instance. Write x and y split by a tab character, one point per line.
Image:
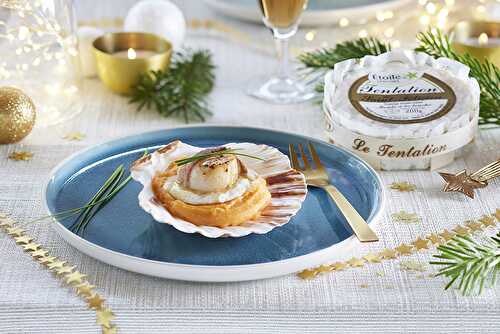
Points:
282	18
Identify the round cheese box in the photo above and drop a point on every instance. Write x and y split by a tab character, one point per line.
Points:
401	109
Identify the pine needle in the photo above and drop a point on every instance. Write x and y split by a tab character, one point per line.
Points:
182	90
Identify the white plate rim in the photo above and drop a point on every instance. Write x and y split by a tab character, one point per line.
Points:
206	273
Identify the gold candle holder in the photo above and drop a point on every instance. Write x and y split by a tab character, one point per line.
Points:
122	57
480	39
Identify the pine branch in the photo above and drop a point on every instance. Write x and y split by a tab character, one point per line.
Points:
180	91
328	57
470	264
487	74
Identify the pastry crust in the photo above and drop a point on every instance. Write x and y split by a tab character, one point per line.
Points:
231	213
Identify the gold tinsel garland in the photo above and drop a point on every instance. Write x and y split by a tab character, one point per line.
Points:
62	270
419	244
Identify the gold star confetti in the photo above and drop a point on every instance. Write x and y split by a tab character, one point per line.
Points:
74	136
307	273
21	156
104	317
404	249
420	243
460	230
380	273
111	330
64	270
474	226
372	258
406	218
447	235
14	231
388	254
84	289
6	222
403	186
31	246
363	286
24	239
461	182
324	268
487	221
56	265
40	253
75	277
95	302
46	260
412	266
435	239
339	266
355	262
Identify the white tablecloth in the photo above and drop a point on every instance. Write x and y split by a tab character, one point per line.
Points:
372	299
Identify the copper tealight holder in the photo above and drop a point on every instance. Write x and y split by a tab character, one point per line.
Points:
480	39
123	56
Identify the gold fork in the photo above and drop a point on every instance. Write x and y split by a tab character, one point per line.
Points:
318	177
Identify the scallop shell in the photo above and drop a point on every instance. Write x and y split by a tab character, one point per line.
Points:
287	187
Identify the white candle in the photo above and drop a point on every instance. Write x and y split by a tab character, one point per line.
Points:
134	54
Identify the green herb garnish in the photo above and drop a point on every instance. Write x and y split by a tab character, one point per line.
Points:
226	150
470	263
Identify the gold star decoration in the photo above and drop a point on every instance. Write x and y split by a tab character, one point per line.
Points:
339	266
435	239
40	253
487	221
6	222
24	239
104	317
406	218
388	254
31	246
74	136
420	243
363	286
111	330
308	273
75	277
474	226
404	249
461	182
14	231
447	235
355	262
460	230
403	186
95	302
413	266
84	289
64	270
21	156
372	258
46	260
56	265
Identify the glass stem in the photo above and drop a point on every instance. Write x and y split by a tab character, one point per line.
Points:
282	46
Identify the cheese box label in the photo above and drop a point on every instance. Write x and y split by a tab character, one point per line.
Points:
401	97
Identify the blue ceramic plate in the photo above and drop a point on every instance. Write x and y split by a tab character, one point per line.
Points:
122	234
318	12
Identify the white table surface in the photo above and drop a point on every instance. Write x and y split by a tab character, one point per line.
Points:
33	301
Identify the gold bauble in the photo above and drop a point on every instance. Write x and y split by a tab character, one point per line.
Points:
17	115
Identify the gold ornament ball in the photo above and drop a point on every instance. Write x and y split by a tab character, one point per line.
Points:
17	115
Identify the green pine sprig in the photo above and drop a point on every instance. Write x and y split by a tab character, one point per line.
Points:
182	90
202	156
470	264
433	43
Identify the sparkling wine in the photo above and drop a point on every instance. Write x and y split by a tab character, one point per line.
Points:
282	13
